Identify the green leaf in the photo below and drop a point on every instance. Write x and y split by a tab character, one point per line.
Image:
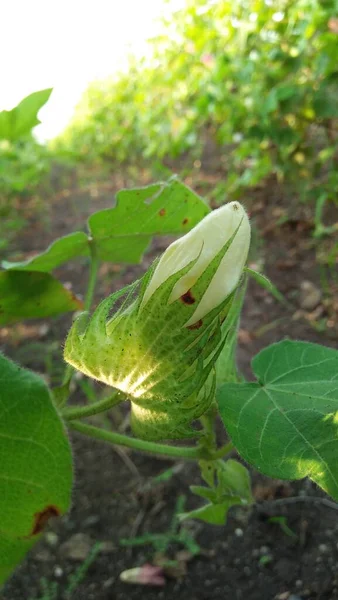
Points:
19	121
36	465
215	514
123	233
60	251
204	492
233	481
29	295
286	423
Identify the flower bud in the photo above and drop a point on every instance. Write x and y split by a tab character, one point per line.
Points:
204	242
160	347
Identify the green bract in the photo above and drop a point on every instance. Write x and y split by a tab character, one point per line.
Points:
152	349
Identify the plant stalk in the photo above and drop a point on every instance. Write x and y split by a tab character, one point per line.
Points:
88	410
183	452
93	271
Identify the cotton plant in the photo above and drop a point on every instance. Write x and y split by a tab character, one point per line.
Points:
165	346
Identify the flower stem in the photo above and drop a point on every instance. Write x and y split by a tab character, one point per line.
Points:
183	452
88	410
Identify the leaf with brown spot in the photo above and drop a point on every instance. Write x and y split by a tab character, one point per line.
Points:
42	518
36	475
124	232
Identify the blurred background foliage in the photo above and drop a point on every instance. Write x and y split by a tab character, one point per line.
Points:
254	81
258	79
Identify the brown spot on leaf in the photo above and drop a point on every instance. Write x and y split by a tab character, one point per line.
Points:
185	221
196	325
162	212
41	518
188	298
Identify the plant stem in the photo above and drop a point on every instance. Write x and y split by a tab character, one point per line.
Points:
93	271
187	453
77	412
67	375
94	267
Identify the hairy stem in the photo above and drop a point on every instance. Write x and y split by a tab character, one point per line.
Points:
93	271
187	453
78	412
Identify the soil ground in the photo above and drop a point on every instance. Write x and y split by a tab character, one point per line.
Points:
251	557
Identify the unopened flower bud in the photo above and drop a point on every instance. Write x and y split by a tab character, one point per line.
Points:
161	346
204	242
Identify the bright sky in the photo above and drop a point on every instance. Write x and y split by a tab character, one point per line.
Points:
65	44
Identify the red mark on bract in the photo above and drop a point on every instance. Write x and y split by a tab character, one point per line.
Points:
196	325
41	518
162	212
185	221
188	298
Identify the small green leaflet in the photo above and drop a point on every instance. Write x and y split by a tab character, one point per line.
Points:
229	485
29	295
286	424
36	469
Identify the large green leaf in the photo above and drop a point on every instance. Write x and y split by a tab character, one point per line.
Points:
63	249
19	121
286	424
28	295
35	465
123	233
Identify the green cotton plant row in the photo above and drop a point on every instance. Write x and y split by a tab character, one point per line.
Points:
165	345
259	79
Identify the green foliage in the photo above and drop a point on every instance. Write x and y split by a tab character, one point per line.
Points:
29	295
259	79
36	475
283	524
23	161
119	234
51	589
60	251
228	485
18	122
286	424
123	233
161	542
